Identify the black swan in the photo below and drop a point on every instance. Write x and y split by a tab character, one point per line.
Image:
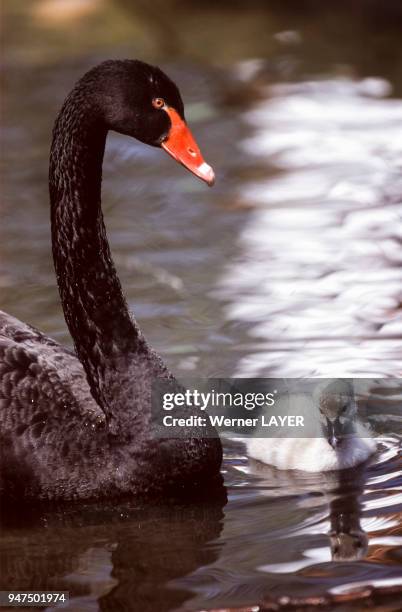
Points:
77	426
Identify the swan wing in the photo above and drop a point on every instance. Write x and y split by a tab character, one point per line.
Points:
48	416
27	355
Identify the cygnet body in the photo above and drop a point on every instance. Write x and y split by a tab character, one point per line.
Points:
337	438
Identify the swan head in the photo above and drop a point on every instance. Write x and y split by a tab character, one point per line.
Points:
338	410
141	101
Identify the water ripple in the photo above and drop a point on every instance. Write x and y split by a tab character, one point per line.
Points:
320	252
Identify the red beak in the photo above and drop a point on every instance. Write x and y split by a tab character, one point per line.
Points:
181	145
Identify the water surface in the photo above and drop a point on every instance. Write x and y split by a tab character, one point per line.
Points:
290	266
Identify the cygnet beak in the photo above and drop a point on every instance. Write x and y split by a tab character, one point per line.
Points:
333	432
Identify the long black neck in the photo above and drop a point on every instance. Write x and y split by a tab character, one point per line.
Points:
106	337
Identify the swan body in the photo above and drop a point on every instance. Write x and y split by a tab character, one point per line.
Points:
77	424
337	438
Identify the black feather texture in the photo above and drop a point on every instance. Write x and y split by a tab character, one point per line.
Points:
77	425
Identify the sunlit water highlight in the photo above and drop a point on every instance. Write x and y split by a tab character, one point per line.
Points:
318	278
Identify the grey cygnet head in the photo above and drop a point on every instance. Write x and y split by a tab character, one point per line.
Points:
338	410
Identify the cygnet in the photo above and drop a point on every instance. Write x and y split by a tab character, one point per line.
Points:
338	438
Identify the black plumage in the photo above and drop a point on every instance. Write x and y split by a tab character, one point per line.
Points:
77	425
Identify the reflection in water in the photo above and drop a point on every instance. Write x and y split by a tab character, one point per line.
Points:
302	534
281	533
341	493
348	540
126	557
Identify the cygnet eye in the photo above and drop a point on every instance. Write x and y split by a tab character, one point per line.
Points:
344	407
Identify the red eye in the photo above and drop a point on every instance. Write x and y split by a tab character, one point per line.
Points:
158	102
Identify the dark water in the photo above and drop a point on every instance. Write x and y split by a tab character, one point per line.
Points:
290	266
